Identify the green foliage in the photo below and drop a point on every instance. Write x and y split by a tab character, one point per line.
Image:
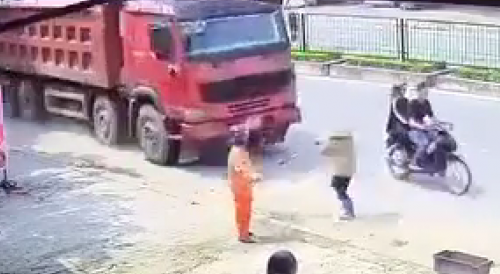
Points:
479	73
378	61
315	56
388	63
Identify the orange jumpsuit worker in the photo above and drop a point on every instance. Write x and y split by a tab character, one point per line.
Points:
242	176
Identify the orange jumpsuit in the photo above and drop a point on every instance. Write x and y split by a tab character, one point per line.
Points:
242	175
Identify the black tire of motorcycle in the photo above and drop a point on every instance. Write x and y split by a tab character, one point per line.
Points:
457	159
403	176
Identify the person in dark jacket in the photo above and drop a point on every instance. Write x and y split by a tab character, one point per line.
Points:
420	116
397	123
282	262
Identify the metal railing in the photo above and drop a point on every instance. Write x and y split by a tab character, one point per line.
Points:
455	43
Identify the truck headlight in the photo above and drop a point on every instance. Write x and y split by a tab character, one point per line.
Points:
194	114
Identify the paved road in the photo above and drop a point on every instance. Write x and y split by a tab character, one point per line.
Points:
434	218
406	221
353	29
326	107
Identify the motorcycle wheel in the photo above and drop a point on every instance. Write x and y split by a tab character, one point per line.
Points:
458	175
397	162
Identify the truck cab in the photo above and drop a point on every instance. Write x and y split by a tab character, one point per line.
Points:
172	74
212	64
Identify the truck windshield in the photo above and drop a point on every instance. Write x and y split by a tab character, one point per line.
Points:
222	35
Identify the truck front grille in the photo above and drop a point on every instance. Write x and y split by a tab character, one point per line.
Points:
246	87
248	106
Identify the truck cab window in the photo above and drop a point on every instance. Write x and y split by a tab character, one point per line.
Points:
162	42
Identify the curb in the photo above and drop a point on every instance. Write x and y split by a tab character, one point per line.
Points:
443	80
370	74
467	86
315	68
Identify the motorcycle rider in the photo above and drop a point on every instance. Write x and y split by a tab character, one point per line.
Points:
397	123
421	116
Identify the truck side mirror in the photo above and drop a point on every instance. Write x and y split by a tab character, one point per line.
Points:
161	42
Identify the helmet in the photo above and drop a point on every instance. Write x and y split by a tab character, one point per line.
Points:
239	135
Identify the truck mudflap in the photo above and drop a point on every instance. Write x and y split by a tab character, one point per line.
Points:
274	122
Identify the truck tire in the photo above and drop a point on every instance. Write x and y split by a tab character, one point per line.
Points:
106	120
282	133
12	99
30	101
153	138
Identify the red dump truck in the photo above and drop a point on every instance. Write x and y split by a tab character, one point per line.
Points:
169	74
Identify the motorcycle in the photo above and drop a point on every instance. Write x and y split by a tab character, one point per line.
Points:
441	157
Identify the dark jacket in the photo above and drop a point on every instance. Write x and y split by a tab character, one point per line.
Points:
394	124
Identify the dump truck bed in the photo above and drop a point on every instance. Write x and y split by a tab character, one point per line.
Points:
83	47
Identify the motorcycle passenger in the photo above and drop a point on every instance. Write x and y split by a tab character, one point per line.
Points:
397	124
421	116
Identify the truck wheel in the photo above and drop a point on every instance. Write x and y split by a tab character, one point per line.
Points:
153	138
106	122
12	99
282	133
30	101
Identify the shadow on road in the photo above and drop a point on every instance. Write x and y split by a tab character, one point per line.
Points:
439	185
429	183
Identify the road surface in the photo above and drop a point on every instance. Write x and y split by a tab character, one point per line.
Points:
92	209
434	219
364	30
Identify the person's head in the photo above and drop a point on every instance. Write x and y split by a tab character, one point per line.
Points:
239	136
398	90
255	139
246	134
422	91
282	262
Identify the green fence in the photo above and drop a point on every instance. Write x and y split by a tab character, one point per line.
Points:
455	43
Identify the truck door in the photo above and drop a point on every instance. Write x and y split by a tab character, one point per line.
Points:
165	63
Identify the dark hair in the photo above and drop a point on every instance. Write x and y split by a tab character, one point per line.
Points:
397	90
422	85
282	262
